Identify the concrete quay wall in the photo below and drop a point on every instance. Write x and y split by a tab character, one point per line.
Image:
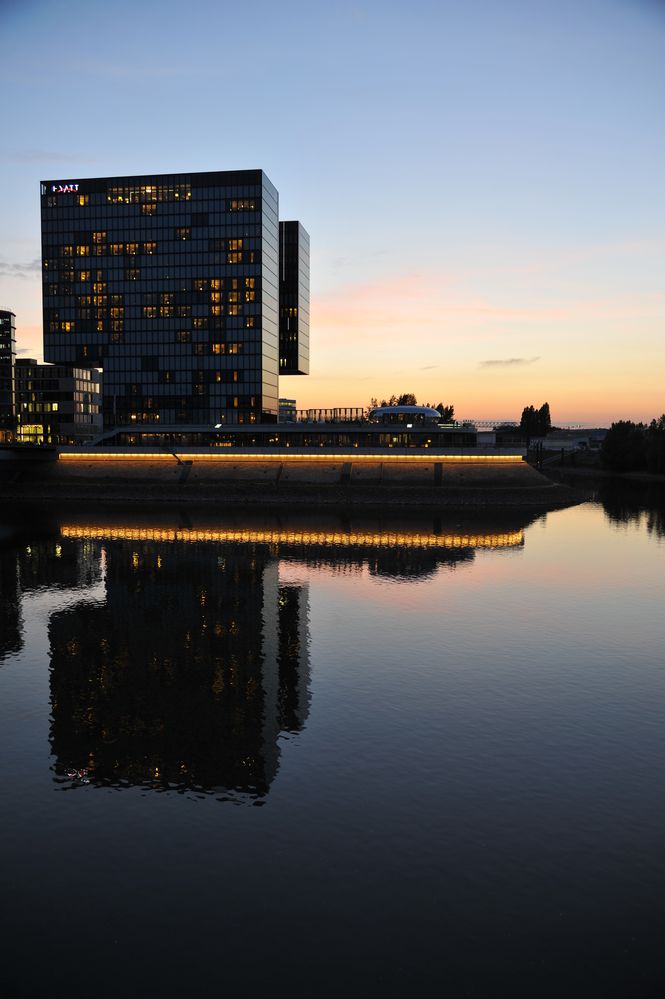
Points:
409	480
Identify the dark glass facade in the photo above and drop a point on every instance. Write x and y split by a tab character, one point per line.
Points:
7	360
170	283
293	299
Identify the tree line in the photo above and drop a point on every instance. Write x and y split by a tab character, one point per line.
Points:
409	399
635	447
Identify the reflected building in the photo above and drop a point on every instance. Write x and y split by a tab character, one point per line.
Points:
196	663
186	675
57	563
11	640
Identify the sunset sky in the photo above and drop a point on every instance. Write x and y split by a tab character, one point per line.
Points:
482	181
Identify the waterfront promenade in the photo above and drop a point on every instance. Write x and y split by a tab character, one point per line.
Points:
490	477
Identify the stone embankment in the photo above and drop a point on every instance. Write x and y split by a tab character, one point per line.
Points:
277	482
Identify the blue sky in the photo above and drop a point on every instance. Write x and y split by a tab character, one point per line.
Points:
482	181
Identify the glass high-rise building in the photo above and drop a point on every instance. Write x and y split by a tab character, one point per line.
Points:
7	361
171	284
293	299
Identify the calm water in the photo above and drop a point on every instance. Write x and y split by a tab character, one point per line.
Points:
320	756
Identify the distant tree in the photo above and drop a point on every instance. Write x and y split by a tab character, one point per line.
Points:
447	412
655	446
409	399
536	422
625	447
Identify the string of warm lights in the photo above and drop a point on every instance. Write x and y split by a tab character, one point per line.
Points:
382	539
356	458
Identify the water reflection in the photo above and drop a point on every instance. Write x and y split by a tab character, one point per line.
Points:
10	609
194	664
186	675
627	502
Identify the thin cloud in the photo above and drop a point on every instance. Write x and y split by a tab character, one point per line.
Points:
508	362
20	270
43	156
429	367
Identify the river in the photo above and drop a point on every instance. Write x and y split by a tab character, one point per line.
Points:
323	755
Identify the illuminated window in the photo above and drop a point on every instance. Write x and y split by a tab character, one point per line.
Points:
83	199
67	251
166	311
233	296
250	282
249	322
131	248
150	248
84	276
216	283
215	296
234	258
132	274
216	310
148	209
183	232
184	311
235	244
82	251
250	296
116	249
183	336
235	310
200	284
243	205
149	311
99	286
199	324
216	348
99	237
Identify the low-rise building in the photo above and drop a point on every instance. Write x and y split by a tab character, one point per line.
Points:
287	410
57	403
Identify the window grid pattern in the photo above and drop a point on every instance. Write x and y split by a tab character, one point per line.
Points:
170	284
